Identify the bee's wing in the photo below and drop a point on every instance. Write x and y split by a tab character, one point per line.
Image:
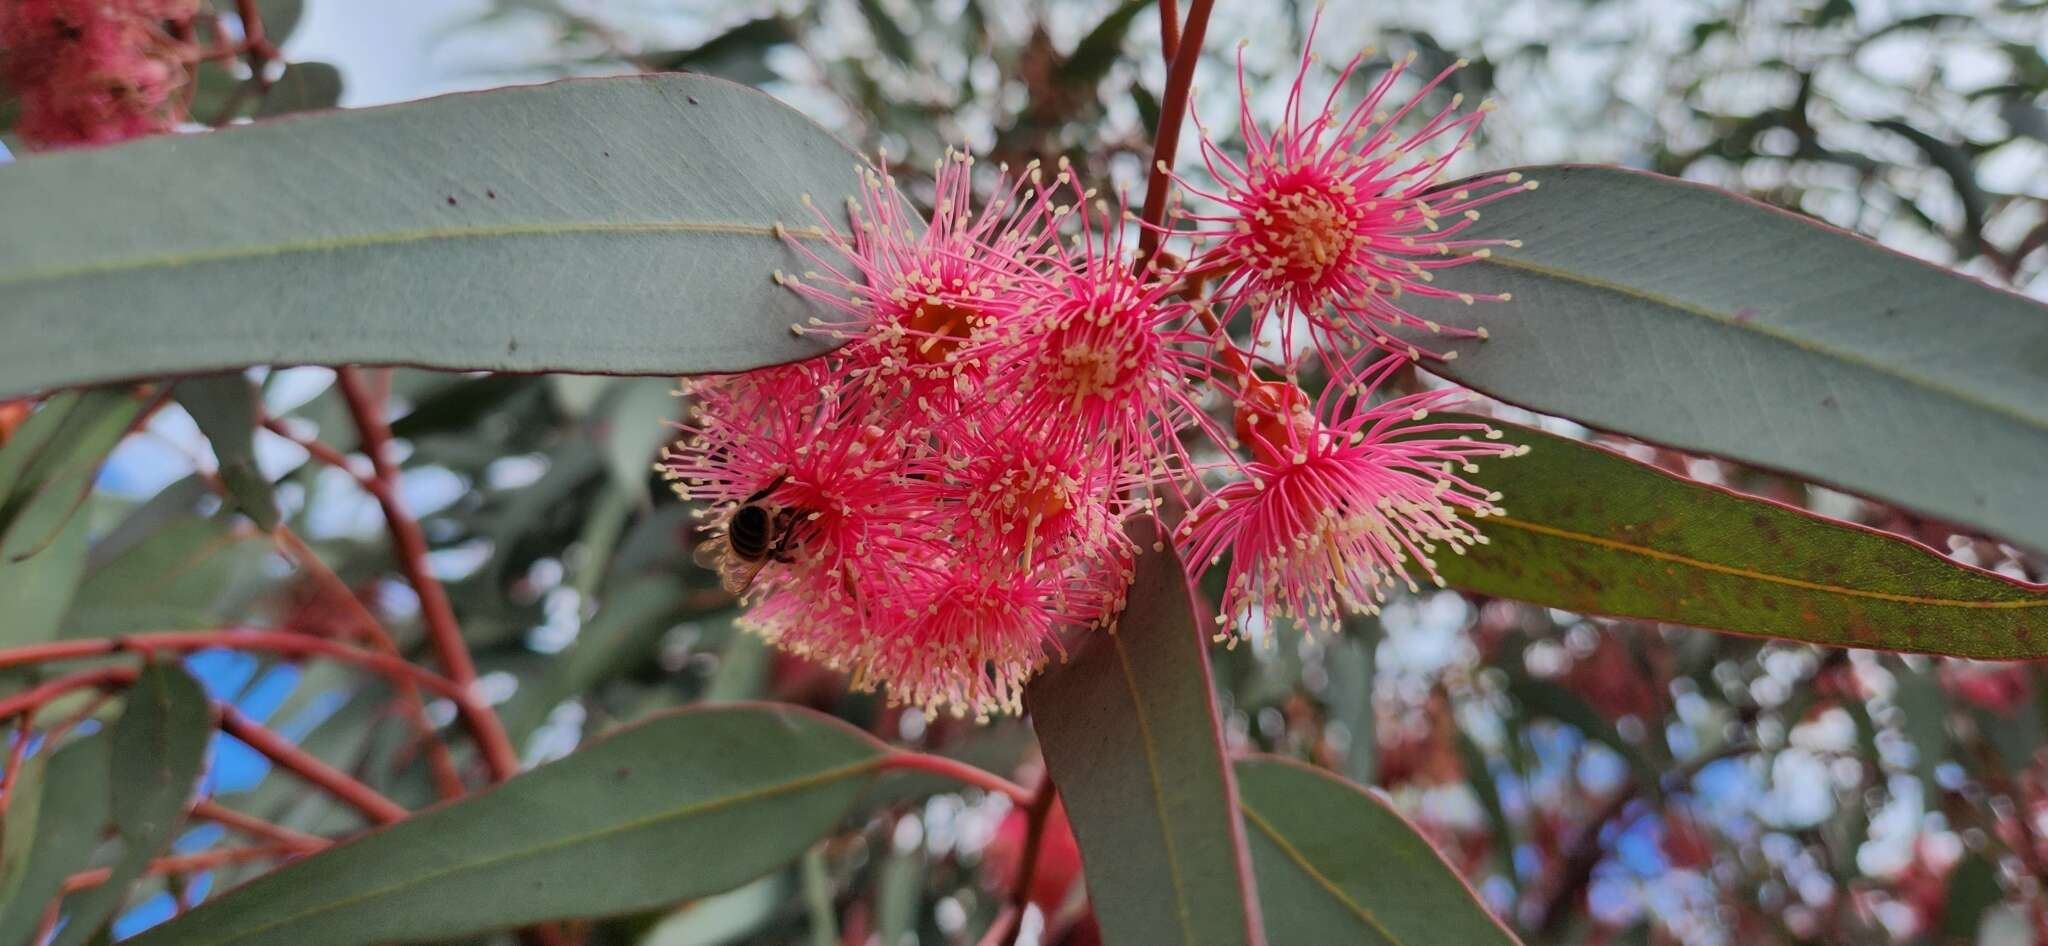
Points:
737	574
712	553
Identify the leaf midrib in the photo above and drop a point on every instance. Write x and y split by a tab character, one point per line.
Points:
1321	880
399	237
817	778
1766	577
1180	900
1731	320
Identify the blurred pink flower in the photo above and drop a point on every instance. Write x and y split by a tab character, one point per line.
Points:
91	72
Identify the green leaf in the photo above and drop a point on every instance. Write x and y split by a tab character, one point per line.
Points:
713	796
1336	864
280	17
34	594
1688	316
889	34
224	406
304	87
619	226
179	578
1546	700
726	918
158	746
1588	530
637	423
1131	737
49	466
1098	50
18	826
738	54
1972	890
69	822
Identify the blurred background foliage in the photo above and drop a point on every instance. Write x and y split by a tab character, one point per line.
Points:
1598	781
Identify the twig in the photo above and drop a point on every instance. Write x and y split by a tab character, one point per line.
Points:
28	701
1034	830
256	827
1173	107
961	772
442	763
340	784
1169	29
183	864
409	545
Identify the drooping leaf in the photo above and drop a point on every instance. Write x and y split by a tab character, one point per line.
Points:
635	426
280	18
889	34
224	405
304	87
1097	51
69	821
619	225
1592	531
36	593
179	578
674	791
60	449
1684	315
726	918
738	54
18	826
158	746
1337	865
1546	700
1131	737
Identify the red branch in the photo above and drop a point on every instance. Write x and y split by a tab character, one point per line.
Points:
258	828
1169	29
1034	833
409	546
1173	107
31	700
340	784
440	761
183	864
959	772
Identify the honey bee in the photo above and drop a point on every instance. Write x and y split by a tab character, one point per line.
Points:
758	532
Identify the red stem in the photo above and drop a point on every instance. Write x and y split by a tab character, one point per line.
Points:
1173	107
1169	29
1034	839
340	784
959	772
409	545
257	827
31	700
183	864
281	642
16	755
440	761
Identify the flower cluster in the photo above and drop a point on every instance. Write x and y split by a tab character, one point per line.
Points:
91	72
930	507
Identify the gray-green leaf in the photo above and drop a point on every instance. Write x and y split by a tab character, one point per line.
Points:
618	226
1337	865
1687	316
670	797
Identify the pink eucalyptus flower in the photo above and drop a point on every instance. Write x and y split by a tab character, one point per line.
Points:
1349	498
1102	360
1336	217
914	293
